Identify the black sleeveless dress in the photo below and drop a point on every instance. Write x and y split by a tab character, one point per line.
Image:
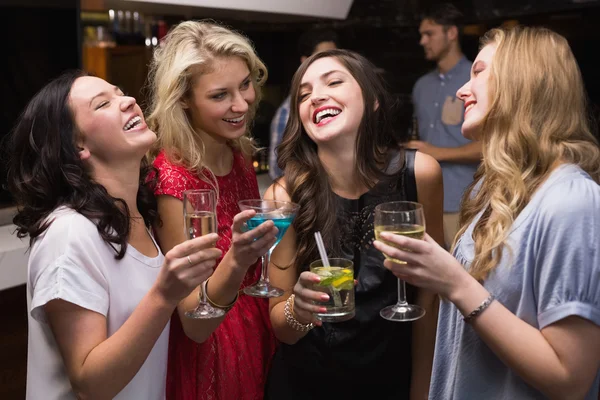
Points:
366	357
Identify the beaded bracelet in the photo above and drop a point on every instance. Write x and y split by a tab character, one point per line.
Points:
486	303
291	320
212	303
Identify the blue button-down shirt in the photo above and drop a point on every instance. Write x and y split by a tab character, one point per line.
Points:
277	127
440	116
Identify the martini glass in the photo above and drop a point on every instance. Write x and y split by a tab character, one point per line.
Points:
282	213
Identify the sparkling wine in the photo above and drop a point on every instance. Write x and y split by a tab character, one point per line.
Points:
200	224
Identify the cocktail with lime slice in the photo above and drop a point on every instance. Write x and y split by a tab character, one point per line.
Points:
337	281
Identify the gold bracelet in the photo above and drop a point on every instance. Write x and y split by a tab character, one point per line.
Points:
212	303
291	320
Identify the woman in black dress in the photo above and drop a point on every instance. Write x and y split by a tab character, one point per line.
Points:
342	158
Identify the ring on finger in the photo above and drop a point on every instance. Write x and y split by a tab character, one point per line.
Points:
189	260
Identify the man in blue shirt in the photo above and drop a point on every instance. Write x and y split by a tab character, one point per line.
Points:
440	114
310	42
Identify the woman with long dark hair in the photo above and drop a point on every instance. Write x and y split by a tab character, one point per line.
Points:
100	292
341	158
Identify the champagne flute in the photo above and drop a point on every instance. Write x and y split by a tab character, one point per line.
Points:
407	219
282	213
200	218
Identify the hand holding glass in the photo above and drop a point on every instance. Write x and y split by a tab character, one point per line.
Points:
407	219
282	213
337	280
200	218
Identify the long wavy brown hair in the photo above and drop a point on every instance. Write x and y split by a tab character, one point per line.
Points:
538	116
45	172
306	179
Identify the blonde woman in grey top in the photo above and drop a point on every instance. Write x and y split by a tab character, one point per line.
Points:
521	312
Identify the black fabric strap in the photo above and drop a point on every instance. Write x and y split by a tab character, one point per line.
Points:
410	182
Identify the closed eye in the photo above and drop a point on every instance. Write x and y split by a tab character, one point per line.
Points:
102	104
303	96
335	83
219	96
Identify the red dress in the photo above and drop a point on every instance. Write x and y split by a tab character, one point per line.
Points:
232	364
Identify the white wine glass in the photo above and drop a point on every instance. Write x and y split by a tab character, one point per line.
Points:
404	218
200	218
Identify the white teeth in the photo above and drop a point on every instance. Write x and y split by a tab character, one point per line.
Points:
329	111
132	122
469	107
235	120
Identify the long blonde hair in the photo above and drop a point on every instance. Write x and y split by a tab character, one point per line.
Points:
538	116
187	50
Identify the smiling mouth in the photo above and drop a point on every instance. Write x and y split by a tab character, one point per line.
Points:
132	123
325	115
235	120
469	107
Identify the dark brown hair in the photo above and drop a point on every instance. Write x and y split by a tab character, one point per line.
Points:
306	179
45	171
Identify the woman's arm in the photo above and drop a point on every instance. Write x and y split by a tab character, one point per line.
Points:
562	357
561	360
99	367
227	278
285	277
430	192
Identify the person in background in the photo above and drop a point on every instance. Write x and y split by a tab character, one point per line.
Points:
342	159
309	43
439	114
100	292
205	81
520	317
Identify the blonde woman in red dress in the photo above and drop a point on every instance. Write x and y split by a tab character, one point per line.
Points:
205	82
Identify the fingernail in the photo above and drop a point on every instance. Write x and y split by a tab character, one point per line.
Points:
316	279
325	297
323	309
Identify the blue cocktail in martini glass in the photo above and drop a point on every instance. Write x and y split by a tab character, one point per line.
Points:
282	213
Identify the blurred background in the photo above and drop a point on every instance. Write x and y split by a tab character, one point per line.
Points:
114	39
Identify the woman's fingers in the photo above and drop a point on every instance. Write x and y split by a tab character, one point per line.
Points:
393	252
310	295
239	220
305	310
203	255
256	233
404	242
193	245
264	243
307	296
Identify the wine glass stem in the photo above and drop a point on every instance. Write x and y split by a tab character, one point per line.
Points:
204	301
401	293
264	277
